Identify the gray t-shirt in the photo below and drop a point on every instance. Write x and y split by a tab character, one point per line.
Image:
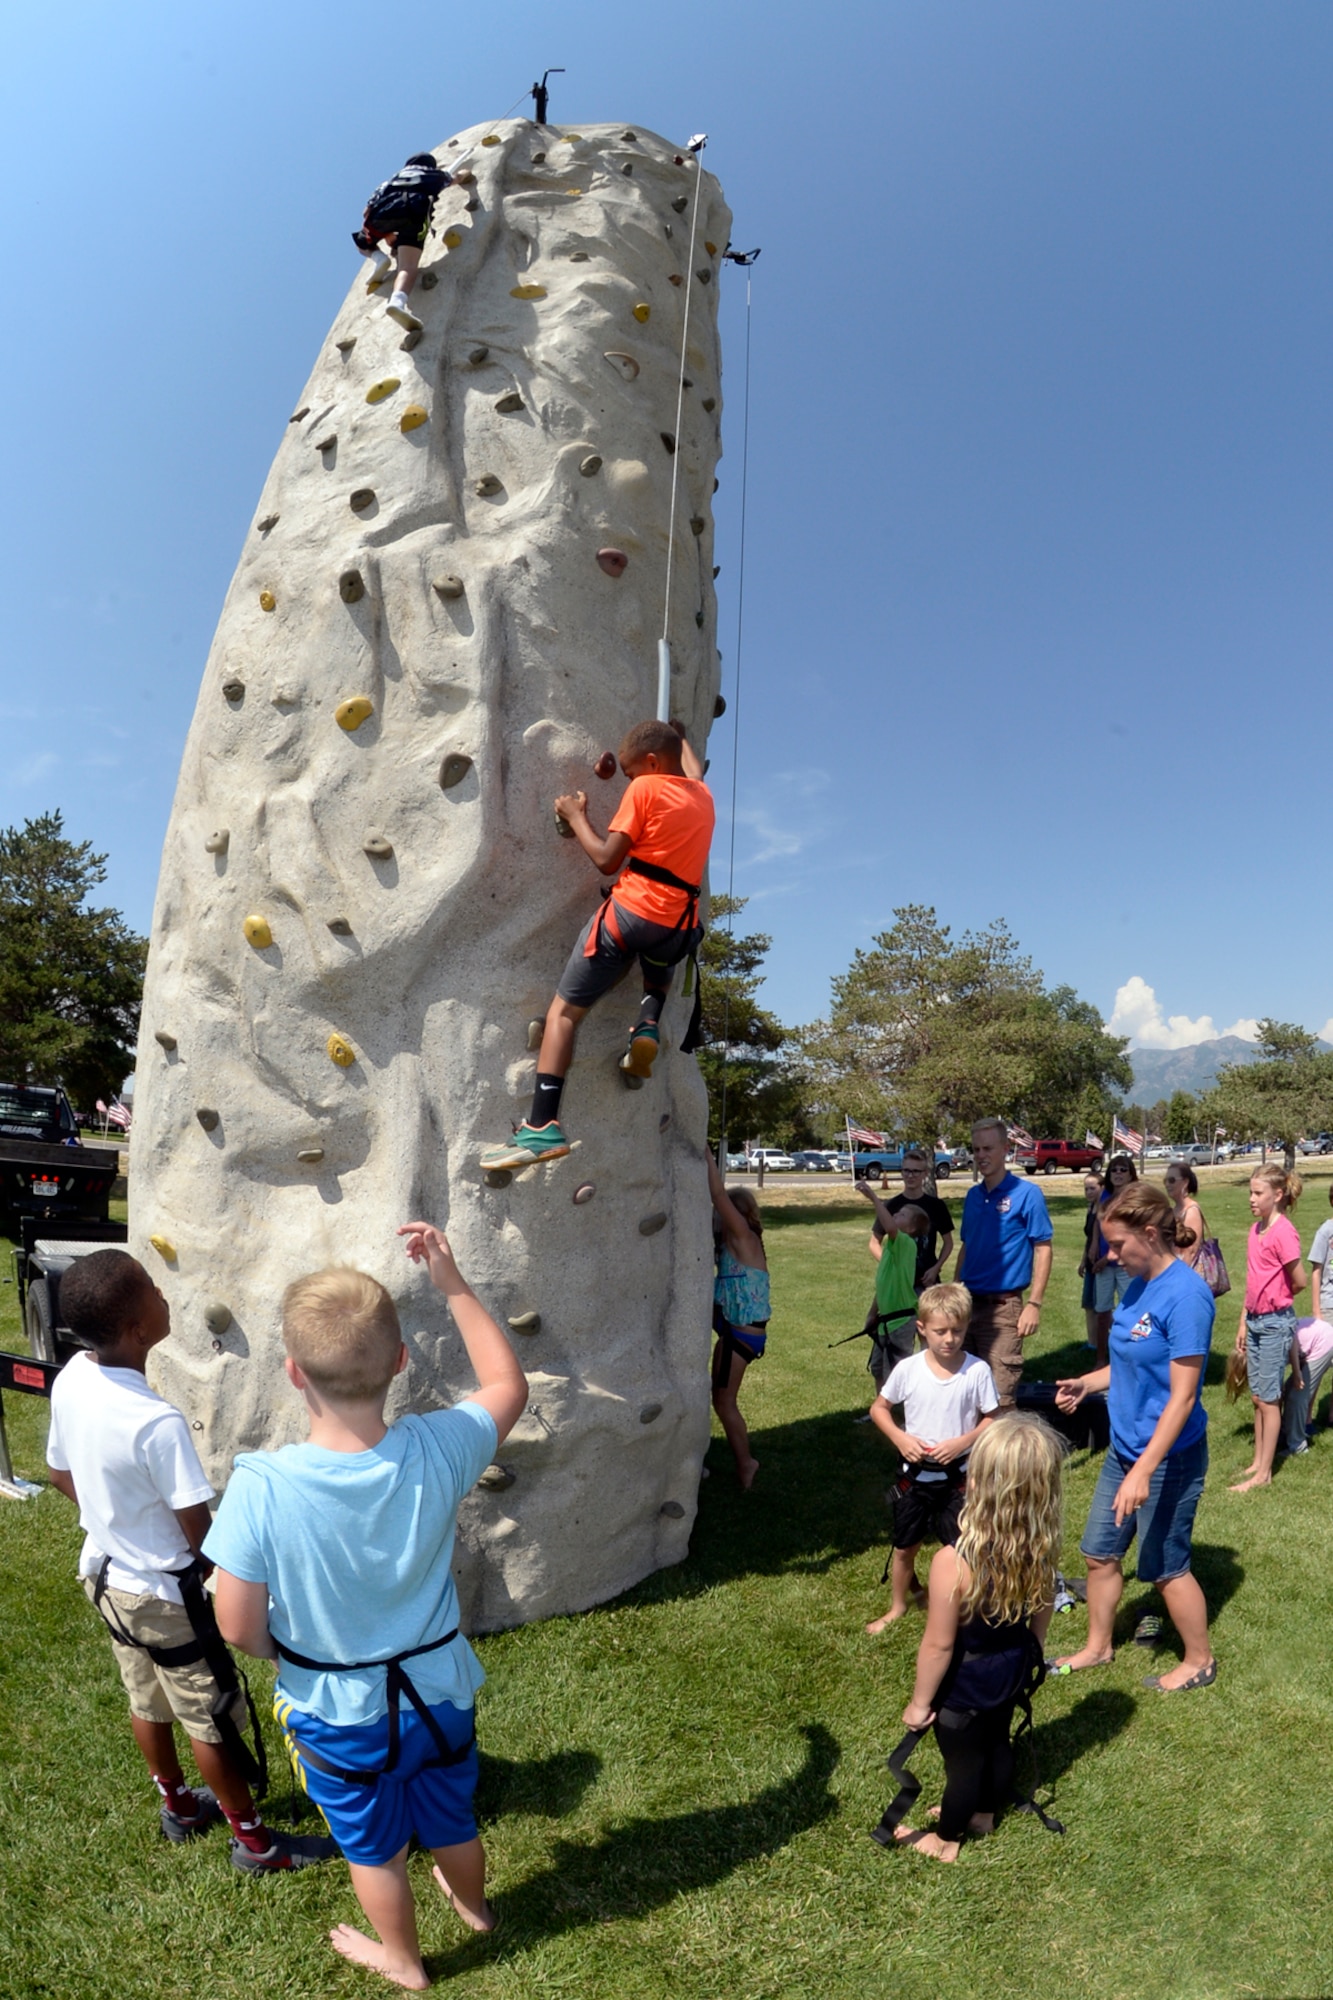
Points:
1321	1252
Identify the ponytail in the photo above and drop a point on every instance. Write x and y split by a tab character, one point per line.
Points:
1143	1205
1288	1185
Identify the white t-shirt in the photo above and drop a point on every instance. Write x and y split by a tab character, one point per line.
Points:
936	1408
133	1464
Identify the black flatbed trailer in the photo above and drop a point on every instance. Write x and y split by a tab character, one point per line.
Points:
44	1253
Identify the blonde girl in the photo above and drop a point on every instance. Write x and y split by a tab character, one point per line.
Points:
1266	1336
740	1312
990	1603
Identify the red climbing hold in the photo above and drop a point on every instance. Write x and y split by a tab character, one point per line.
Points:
614	561
606	767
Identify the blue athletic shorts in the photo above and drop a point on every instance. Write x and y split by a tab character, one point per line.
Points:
1164	1523
373	1823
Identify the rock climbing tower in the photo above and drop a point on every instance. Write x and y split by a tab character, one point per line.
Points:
448	605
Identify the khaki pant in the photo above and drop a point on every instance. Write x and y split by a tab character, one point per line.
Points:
163	1694
993	1337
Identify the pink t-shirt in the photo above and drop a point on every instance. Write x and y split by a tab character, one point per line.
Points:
1316	1338
1267	1287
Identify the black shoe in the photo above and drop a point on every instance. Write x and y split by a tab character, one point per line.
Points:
207	1813
289	1850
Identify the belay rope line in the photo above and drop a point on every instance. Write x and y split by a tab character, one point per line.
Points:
695	147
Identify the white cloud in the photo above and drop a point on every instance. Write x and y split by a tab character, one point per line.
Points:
1138	1014
33	769
1326	1032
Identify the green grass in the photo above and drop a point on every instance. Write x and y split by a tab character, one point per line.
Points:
677	1788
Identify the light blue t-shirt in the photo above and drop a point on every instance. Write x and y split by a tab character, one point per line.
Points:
1000	1226
355	1548
1159	1320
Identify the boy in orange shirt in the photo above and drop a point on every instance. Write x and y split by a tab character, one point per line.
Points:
661	833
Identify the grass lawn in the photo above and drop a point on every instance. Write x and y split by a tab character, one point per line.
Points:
677	1788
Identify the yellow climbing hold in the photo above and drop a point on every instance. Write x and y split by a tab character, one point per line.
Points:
711	248
351	714
641	312
574	191
257	932
528	292
341	1051
267	601
452	238
164	1247
379	390
491	139
413	418
570	137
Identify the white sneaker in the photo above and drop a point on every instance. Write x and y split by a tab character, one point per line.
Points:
399	309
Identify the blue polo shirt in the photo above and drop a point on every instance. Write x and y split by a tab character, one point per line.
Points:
1160	1320
1000	1226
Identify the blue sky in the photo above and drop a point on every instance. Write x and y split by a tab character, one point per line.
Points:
1038	592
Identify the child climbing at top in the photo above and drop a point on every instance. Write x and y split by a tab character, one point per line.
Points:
398	216
126	1460
657	846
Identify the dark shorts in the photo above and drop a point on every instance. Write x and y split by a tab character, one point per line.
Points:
409	224
1164	1524
656	946
372	1823
926	1510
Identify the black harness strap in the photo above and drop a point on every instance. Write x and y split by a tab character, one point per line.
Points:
909	1788
209	1646
396	1684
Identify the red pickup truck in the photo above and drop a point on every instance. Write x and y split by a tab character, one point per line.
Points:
1049	1155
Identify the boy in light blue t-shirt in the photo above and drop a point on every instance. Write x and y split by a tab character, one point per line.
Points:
334	1558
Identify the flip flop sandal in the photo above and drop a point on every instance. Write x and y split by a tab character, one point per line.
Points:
1057	1669
1203	1679
1148	1630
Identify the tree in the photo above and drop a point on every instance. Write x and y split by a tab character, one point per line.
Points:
1182	1117
745	1058
926	1034
1284	1095
70	976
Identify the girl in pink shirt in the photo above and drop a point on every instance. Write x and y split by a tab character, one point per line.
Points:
1266	1336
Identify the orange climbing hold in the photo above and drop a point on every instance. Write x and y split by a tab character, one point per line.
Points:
351	714
413	418
341	1051
379	390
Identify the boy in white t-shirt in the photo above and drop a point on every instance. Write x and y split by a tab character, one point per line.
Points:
946	1397
125	1458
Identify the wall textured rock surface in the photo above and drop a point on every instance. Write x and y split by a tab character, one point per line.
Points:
364	902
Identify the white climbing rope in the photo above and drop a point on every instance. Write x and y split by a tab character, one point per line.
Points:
696	147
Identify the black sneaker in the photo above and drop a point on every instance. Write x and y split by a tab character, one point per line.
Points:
289	1850
207	1813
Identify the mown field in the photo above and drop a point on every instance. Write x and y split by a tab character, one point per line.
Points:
677	1788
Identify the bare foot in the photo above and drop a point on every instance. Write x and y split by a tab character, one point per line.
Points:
1074	1663
927	1843
745	1473
363	1950
979	1825
1257	1479
891	1617
476	1920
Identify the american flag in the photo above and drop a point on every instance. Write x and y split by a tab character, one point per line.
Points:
1128	1140
1091	1139
859	1135
117	1114
1023	1140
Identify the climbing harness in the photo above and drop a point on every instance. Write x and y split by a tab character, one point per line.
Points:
396	1684
695	147
909	1785
207	1645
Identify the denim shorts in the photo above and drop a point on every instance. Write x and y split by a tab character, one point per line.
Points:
1163	1524
1268	1338
1108	1287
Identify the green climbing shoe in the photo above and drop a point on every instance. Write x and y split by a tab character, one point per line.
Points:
641	1054
529	1144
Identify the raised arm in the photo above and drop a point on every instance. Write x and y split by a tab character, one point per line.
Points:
502	1387
740	1238
881	1208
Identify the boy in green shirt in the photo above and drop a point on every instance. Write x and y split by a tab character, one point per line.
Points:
893	1333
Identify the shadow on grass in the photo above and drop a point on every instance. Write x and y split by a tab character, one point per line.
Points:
638	1867
550	1786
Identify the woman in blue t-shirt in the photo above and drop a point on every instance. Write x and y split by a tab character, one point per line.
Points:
1154	1470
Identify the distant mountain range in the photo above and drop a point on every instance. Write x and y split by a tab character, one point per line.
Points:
1159	1072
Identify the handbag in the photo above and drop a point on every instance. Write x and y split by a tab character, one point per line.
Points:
1212	1267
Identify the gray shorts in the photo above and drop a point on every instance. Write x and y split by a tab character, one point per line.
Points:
658	948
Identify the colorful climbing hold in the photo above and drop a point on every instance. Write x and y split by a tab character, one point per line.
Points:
452	238
363	497
491	139
208	1117
527	292
413	417
641	313
614	561
448	586
584	1194
310	1156
464	178
164	1247
674	278
453	770
624	364
340	926
233	689
267	601
258	933
218	842
711	248
652	1223
217	1317
592	463
350	714
575	192
487	484
377	847
377	391
351	586
511	400
340	1051
165	1041
476	355
650	1413
497	1478
528	1322
606	766
570	138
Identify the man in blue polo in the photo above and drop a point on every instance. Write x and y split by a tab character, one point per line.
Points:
1006	1232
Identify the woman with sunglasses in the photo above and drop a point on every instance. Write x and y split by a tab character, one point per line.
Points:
1108	1279
1182	1184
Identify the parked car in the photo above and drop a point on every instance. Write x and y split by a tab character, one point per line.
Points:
842	1163
1049	1155
774	1159
1197	1155
1322	1142
814	1160
737	1163
889	1160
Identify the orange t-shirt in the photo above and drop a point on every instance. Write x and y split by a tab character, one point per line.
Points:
669	820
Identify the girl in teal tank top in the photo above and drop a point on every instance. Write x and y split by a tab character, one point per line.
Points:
740	1311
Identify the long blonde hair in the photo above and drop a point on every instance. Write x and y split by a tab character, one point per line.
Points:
1009	1535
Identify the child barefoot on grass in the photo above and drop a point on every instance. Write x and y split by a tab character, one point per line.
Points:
333	1557
946	1396
740	1311
990	1605
1267	1331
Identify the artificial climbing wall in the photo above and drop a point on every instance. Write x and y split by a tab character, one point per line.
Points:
447	606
